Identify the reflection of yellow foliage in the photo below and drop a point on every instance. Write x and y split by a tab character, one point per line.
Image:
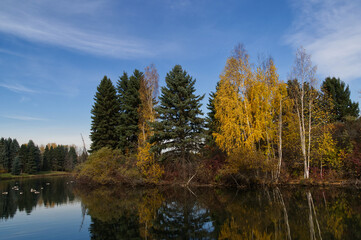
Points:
147	210
234	231
230	230
107	204
341	212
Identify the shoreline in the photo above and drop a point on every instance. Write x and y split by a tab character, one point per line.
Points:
7	176
292	183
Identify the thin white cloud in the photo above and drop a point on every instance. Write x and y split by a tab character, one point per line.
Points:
330	30
30	20
24	118
16	87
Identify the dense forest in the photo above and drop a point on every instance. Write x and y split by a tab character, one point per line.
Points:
258	128
29	158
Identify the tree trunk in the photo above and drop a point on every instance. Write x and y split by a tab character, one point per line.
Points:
279	141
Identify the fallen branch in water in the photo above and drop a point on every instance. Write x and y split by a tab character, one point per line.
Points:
191	179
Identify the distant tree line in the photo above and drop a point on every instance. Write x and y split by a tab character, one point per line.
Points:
29	158
258	127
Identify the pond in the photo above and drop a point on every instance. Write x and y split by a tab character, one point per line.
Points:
58	208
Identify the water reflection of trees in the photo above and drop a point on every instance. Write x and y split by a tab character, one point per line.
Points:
52	191
221	214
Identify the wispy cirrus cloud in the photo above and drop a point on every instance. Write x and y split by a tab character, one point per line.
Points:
24	118
330	30
16	87
32	21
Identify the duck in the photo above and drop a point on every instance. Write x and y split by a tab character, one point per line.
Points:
5	193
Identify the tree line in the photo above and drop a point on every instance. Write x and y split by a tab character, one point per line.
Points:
257	127
29	158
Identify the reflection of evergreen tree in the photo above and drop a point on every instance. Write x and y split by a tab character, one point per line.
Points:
183	220
126	227
59	191
8	204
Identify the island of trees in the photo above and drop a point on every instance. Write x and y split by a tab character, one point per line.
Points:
258	129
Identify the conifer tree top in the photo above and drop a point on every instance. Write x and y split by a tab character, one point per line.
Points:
179	131
105	116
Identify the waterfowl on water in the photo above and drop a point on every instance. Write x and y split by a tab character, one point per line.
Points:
5	193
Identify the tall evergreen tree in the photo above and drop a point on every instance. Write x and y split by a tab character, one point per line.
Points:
179	131
46	159
74	156
23	157
128	95
7	154
2	154
105	116
33	163
211	122
339	93
16	166
70	159
59	155
14	150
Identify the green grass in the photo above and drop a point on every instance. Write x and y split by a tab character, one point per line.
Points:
38	174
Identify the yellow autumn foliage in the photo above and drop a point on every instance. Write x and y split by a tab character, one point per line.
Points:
146	162
107	166
248	106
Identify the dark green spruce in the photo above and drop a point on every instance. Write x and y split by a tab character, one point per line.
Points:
105	116
128	95
339	93
9	149
211	122
33	163
16	170
46	159
179	132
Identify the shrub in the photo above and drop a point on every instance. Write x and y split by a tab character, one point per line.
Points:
107	166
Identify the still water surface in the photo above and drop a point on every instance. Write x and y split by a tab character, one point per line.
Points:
57	208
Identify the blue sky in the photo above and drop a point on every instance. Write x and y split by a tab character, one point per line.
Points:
53	54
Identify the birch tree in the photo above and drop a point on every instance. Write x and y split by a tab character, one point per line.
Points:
248	110
303	95
147	92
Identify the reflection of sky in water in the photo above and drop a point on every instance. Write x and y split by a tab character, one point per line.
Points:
61	222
